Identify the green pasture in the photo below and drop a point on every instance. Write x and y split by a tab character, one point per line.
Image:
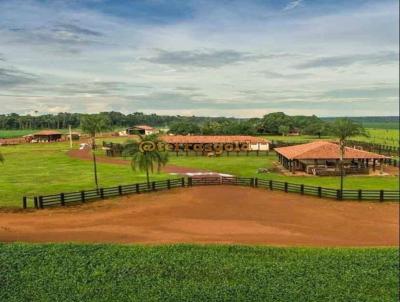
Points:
15	133
33	169
76	272
389	137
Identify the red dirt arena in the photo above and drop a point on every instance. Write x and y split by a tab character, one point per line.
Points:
211	214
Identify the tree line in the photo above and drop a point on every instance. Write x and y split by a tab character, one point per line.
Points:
273	123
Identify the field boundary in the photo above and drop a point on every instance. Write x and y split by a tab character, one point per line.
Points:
62	199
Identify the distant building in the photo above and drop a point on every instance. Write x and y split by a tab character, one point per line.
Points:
47	136
254	143
323	158
141	129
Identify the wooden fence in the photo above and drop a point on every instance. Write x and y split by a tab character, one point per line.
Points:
63	199
372	195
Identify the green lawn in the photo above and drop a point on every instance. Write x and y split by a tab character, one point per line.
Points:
33	169
247	166
72	272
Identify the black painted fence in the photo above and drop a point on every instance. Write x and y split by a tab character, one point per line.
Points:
63	199
372	195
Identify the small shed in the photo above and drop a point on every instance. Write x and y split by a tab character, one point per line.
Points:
141	129
74	135
47	136
323	158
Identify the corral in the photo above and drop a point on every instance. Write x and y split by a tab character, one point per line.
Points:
211	214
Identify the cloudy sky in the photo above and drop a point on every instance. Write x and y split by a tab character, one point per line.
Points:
215	58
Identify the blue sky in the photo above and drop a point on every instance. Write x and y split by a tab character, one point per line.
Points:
216	58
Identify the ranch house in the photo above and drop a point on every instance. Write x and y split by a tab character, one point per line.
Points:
141	129
323	158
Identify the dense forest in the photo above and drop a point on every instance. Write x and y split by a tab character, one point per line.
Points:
273	123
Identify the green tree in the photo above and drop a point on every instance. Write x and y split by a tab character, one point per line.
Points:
343	128
92	125
284	130
184	128
270	123
145	159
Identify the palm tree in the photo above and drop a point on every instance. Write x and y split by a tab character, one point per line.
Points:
343	128
92	125
145	159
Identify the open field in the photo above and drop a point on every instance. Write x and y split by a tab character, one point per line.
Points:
61	272
14	133
34	169
389	137
211	214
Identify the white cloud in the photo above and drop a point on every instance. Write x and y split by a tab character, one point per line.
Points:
292	5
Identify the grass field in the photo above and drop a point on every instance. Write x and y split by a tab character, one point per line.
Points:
72	272
14	133
32	169
42	169
389	137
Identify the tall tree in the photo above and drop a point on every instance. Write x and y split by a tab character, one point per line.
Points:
145	158
343	128
92	125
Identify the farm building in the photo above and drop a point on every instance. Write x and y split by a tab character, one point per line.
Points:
74	136
218	143
47	136
141	129
323	158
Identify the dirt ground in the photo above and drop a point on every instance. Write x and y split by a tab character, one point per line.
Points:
211	214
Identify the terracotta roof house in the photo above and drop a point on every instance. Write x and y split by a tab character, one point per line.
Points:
47	136
322	158
254	143
141	129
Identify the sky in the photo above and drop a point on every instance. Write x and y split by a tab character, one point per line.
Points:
204	58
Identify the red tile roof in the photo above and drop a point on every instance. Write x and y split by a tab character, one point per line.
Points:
48	132
324	150
143	127
212	139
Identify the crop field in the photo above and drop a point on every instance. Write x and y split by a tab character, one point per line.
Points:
60	272
389	137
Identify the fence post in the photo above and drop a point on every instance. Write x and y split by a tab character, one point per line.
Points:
168	184
35	202
190	182
120	190
382	195
183	181
153	185
137	188
359	194
319	192
302	189
256	182
251	182
101	193
338	194
24	202
41	202
83	196
271	185
286	187
62	199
